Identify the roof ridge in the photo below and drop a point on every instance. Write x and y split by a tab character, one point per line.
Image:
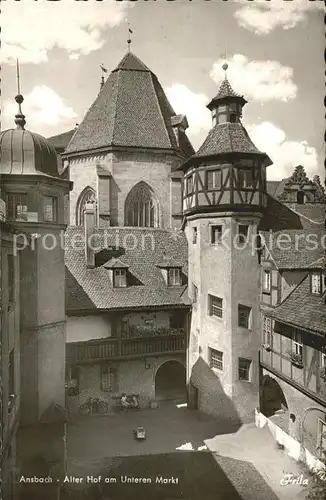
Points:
115	107
160	110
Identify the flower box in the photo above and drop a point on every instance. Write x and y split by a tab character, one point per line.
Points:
296	359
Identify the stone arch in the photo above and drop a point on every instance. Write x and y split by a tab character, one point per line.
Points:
301	197
272	397
170	380
88	195
141	207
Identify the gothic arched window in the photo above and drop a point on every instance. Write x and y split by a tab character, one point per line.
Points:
88	195
141	207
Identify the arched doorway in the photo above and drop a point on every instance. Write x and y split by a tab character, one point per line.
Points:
272	397
170	380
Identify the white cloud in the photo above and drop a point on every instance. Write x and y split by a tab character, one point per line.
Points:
262	16
284	153
258	80
31	29
193	105
44	110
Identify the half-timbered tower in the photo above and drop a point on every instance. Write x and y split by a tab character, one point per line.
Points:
223	201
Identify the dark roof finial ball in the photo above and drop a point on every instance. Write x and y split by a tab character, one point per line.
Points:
225	66
19	98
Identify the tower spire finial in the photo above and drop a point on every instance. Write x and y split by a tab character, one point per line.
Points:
19	118
225	65
104	70
130	32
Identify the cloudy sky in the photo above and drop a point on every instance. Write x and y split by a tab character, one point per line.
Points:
274	50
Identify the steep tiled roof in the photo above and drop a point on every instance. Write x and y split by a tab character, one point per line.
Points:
142	250
61	141
279	216
131	110
302	309
225	90
276	188
296	249
227	138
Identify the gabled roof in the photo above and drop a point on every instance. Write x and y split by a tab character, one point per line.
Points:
280	216
115	264
131	110
296	249
142	250
302	309
227	138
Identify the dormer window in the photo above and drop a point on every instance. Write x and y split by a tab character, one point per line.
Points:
119	278
245	178
316	283
174	276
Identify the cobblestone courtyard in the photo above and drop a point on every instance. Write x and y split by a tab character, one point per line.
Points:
208	457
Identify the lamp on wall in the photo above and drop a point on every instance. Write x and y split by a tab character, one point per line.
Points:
147	365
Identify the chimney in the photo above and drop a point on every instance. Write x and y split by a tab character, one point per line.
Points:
89	222
179	124
104	194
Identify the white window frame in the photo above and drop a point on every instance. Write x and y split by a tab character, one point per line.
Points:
243	181
216	359
248	369
215	307
297	345
267	331
217	176
216	232
267	281
174	276
119	278
16	211
316	283
248	310
108	380
54	208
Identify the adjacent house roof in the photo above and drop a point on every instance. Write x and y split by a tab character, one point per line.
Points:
141	249
302	309
131	110
279	216
296	249
60	142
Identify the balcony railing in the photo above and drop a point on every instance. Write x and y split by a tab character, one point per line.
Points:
125	348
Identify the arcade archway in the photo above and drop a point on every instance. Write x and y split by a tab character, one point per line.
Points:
272	397
170	380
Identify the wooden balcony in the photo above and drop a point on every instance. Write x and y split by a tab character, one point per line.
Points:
125	348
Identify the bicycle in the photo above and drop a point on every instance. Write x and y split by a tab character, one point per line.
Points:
93	405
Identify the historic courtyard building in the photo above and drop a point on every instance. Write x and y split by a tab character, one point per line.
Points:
170	280
185	241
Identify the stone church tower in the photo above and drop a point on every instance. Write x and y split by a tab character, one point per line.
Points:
223	199
125	153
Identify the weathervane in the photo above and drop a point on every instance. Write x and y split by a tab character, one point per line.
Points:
225	65
104	70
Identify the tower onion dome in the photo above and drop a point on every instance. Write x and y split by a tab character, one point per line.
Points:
25	153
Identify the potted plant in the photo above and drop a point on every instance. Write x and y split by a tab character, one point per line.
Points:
296	359
267	347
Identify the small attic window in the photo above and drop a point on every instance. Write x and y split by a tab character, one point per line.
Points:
316	283
119	278
174	276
